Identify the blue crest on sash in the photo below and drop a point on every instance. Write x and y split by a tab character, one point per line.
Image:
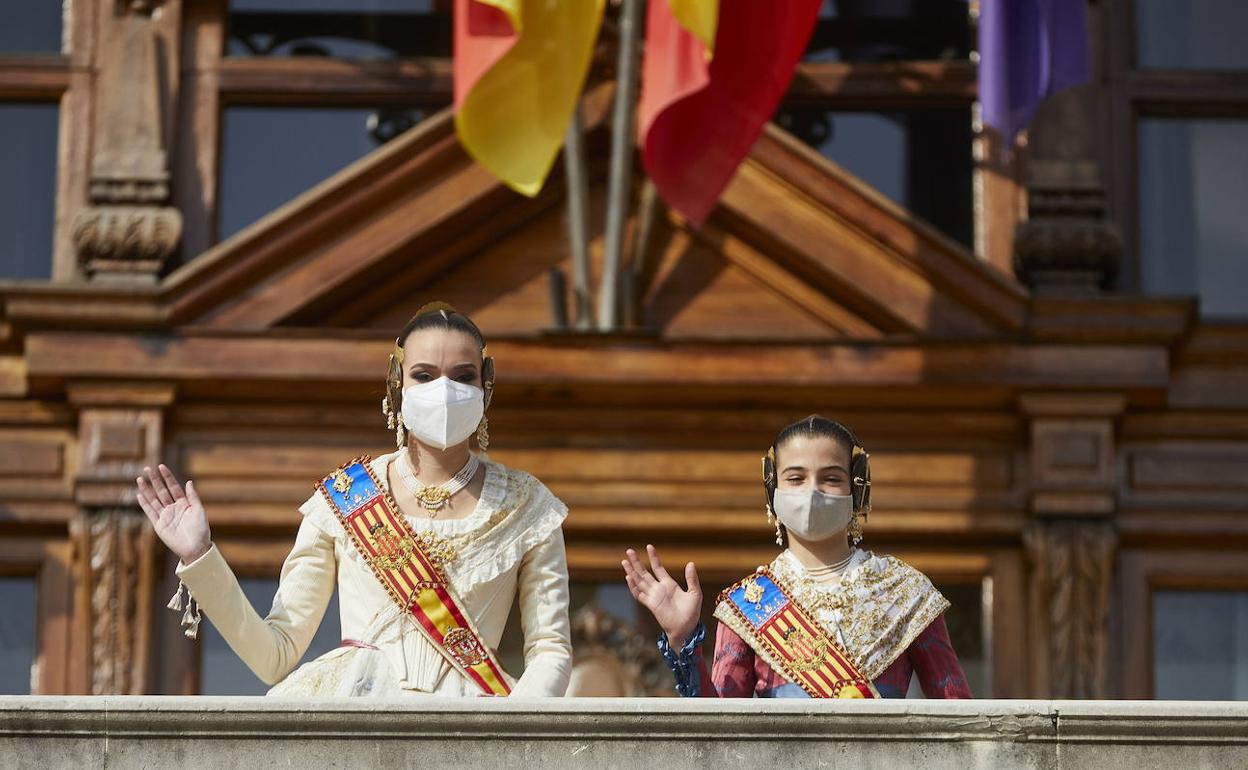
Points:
772	599
349	487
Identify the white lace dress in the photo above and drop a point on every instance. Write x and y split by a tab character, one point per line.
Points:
511	543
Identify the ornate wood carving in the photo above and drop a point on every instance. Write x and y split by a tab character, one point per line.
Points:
128	232
1072	571
111	556
120	431
1071	543
1067	245
612	659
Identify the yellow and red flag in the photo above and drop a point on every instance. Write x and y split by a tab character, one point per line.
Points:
701	113
519	69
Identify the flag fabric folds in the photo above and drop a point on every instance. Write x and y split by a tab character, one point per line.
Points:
701	110
1028	51
519	69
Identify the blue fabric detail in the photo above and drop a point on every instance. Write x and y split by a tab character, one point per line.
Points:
772	601
786	690
362	488
887	691
684	665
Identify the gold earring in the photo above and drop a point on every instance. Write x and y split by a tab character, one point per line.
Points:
483	433
388	411
393	422
775	521
855	528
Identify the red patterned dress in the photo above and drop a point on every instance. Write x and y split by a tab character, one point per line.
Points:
886	615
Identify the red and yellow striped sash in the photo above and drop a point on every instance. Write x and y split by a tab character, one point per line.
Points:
410	572
784	634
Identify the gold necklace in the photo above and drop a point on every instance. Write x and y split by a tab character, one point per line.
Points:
433	497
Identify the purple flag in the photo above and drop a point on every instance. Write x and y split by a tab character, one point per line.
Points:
1028	51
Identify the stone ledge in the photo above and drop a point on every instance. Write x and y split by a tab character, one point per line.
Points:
208	732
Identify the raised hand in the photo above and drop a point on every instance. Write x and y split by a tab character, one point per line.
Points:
178	517
675	609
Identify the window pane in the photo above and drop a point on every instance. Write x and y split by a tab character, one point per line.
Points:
891	30
17	634
1193	34
31	26
920	159
1193	232
1200	645
27	189
221	671
344	29
270	155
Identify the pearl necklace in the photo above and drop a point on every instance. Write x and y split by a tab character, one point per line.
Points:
433	497
830	569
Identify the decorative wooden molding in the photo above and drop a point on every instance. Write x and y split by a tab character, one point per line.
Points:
612	659
129	232
115	549
264	356
1072	567
1071	544
1067	245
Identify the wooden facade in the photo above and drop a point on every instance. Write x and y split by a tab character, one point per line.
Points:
1064	451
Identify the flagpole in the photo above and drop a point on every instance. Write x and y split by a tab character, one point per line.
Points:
621	165
578	220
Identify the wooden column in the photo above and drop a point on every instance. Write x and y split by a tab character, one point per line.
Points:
128	231
115	550
1068	245
1071	541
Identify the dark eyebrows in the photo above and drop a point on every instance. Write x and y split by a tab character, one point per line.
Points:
821	470
456	367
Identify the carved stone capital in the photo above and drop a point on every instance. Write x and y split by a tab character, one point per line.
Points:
126	241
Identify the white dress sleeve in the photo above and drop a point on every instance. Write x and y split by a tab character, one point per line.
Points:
270	646
543	592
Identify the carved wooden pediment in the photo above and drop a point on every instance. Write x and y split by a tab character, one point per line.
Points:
798	249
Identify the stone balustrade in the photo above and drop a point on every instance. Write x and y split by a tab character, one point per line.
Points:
188	733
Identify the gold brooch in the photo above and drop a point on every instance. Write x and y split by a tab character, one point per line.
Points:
437	548
807	651
753	591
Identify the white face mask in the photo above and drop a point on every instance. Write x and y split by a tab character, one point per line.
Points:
442	413
811	514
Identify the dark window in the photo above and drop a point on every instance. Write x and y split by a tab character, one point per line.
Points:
1193	34
1193	233
891	30
31	26
965	620
269	155
27	189
920	158
1200	645
223	673
342	29
17	634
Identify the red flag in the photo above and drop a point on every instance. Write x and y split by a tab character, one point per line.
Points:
700	116
483	35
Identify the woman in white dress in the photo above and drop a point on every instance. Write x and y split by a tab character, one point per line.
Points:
488	533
